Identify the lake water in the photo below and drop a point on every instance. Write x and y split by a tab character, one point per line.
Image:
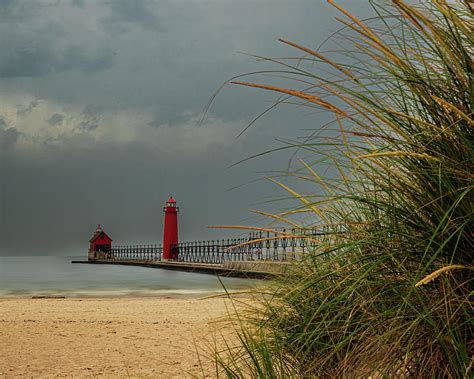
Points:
55	275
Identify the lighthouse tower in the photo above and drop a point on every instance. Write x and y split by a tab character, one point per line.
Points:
170	233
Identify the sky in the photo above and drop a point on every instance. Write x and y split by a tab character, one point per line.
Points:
102	115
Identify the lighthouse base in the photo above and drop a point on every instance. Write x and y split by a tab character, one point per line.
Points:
97	255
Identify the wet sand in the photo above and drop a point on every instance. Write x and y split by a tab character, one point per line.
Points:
110	337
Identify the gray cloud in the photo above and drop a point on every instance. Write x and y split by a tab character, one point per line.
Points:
78	3
126	82
35	42
91	110
8	135
124	13
87	60
35	58
55	119
17	10
91	115
3	123
23	109
88	125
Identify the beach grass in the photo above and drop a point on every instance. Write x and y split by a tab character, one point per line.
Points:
389	292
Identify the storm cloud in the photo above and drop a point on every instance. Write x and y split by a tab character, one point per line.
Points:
101	107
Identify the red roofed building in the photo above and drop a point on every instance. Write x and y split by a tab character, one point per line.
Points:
100	244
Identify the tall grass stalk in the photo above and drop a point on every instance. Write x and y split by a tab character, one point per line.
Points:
391	296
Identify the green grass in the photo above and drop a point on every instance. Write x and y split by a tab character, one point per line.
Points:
392	296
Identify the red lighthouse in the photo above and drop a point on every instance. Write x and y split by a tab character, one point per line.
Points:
100	244
170	233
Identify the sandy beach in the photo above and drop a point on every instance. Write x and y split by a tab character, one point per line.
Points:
109	337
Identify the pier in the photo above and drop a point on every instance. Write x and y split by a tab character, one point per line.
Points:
259	254
203	268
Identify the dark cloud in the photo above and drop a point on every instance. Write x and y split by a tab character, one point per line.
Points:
66	191
91	115
127	81
88	126
39	58
56	119
82	58
8	135
78	3
34	44
170	117
26	61
22	109
3	123
155	123
91	110
124	13
12	11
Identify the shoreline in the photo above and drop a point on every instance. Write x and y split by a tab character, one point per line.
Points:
112	336
172	294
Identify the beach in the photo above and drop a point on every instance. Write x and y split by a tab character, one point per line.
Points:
111	337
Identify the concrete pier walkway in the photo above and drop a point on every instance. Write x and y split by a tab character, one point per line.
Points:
253	270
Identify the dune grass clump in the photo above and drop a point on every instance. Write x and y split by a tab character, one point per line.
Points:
389	292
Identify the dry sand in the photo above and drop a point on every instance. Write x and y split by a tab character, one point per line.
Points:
110	337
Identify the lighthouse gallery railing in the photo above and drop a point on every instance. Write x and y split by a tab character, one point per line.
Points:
278	246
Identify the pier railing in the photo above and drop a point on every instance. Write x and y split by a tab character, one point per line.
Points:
281	245
150	252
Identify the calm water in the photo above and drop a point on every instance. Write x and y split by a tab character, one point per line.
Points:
50	275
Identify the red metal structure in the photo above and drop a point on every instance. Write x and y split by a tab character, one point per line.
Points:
170	233
100	241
